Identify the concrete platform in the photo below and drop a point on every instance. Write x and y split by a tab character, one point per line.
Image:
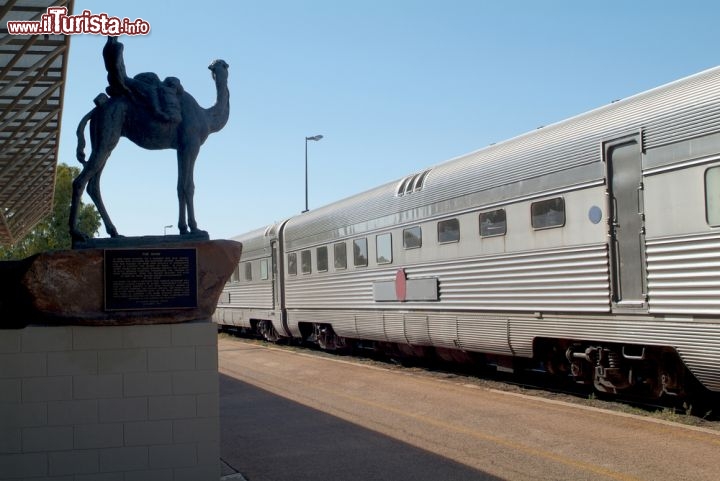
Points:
268	438
293	415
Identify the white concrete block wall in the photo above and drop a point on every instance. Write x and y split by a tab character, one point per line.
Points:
110	403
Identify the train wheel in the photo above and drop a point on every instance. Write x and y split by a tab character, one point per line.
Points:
267	330
327	339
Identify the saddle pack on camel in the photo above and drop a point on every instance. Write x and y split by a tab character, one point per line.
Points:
161	98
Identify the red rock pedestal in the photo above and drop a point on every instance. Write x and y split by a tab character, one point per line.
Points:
67	287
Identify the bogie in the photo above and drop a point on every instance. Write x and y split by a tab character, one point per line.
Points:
628	369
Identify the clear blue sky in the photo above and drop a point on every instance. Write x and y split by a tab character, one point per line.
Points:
394	86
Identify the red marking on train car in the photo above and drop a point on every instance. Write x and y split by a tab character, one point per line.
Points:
401	285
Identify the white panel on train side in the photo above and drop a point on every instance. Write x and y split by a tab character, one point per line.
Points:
675	202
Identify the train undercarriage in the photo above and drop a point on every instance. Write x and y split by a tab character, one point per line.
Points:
628	370
645	371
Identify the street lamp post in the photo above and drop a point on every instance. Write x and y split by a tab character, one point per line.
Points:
315	138
166	228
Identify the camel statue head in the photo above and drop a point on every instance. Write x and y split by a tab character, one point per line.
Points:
218	67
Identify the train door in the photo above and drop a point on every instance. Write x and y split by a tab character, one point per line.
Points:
275	274
627	222
277	283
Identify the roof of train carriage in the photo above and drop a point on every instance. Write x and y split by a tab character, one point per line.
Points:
32	79
256	243
529	163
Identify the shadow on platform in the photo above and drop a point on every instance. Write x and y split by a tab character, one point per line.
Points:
268	438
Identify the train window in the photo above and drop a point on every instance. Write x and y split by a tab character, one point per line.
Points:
360	252
264	269
248	271
383	248
548	213
412	237
448	231
493	223
306	261
340	251
292	263
236	274
712	196
322	259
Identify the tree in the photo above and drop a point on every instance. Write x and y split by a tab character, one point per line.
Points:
53	233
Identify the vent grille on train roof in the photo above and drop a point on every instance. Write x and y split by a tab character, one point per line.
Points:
412	183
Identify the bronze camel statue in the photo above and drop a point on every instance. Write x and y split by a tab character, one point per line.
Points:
154	115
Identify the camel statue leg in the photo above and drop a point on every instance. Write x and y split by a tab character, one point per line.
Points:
90	177
186	187
93	190
78	189
104	136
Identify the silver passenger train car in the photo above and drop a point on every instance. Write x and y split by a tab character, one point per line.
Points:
591	246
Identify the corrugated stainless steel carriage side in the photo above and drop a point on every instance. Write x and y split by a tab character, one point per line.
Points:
501	294
250	295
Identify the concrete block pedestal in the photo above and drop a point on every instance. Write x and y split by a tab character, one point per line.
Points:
124	394
115	403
